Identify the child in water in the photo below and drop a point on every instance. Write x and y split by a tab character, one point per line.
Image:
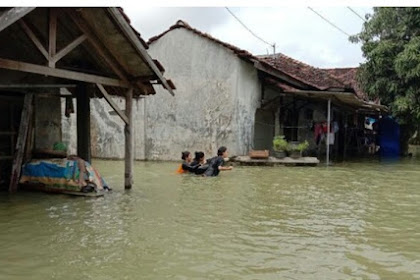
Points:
185	166
200	163
216	163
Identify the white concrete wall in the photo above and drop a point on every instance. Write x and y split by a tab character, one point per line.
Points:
215	101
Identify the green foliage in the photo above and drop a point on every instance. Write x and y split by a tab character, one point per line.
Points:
280	144
303	146
391	45
299	147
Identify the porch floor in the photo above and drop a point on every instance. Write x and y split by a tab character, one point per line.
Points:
272	161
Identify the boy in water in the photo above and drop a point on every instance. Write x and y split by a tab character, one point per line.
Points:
216	163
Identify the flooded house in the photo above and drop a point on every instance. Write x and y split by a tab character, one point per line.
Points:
228	96
74	54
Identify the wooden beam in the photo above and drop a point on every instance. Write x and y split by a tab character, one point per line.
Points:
52	36
112	104
69	48
38	86
94	41
11	16
60	73
34	39
129	133
128	31
20	145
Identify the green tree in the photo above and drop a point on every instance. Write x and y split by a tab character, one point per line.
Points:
391	45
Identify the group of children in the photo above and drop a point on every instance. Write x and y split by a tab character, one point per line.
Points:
200	166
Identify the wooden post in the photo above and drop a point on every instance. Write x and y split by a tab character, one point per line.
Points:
21	141
83	123
128	132
328	131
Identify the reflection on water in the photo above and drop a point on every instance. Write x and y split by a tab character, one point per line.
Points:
350	221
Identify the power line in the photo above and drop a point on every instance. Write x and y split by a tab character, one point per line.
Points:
356	14
250	31
338	28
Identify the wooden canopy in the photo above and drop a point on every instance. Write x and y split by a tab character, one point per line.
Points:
69	45
89	51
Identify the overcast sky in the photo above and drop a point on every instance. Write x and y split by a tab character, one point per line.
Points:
296	31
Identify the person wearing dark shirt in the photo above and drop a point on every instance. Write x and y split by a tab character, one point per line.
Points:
186	163
200	163
216	163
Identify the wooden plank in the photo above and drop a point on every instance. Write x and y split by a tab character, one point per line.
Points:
83	123
112	104
60	73
33	38
11	16
12	122
52	46
7	133
63	52
29	139
95	42
6	157
37	85
128	31
20	145
128	132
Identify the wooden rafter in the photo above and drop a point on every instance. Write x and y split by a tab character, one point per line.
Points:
33	38
60	73
63	52
94	41
112	104
11	16
52	36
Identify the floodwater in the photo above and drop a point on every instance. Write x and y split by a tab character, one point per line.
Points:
357	220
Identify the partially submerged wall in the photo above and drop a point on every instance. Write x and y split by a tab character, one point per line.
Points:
47	121
214	104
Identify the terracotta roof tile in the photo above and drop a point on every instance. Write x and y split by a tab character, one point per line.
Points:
348	75
311	75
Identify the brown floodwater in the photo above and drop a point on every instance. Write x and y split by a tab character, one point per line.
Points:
357	220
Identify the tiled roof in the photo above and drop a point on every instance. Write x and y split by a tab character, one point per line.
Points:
317	78
348	75
313	76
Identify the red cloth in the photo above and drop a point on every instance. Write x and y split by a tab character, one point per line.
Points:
318	131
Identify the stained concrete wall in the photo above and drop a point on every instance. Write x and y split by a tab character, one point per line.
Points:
47	121
215	102
107	129
216	97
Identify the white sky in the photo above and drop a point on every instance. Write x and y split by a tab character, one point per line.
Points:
296	31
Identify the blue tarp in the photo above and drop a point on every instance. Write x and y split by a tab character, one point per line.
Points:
389	137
